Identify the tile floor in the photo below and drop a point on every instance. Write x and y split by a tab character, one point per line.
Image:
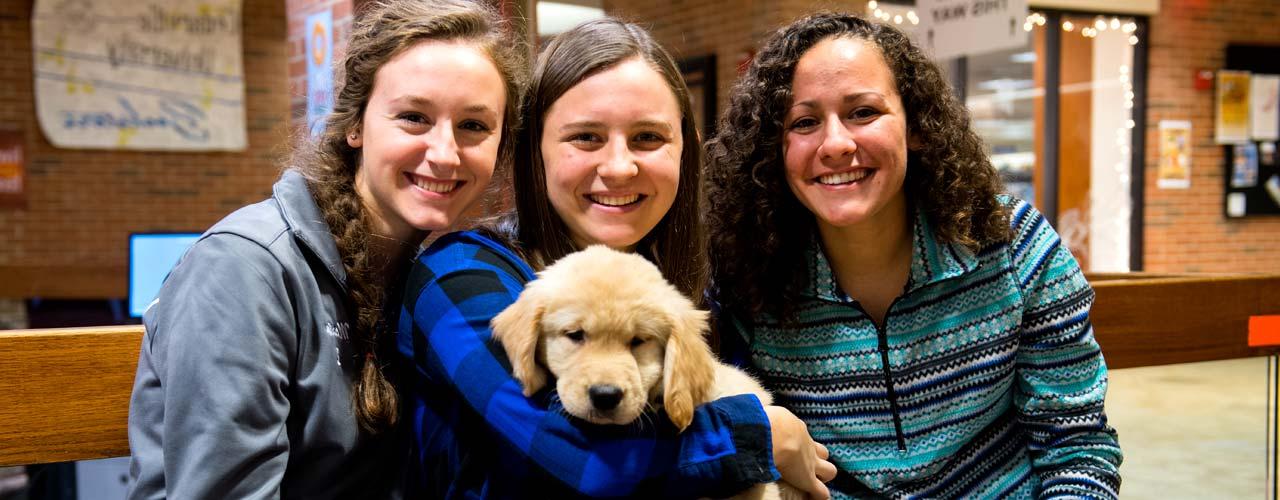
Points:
1190	431
1195	430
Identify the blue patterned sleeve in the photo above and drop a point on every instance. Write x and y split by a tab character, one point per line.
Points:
474	428
1062	378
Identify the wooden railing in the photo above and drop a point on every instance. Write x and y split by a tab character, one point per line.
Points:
1145	320
64	393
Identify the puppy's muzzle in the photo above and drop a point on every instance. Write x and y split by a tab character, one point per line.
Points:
605	397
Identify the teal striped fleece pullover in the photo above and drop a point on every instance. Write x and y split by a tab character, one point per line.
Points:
985	382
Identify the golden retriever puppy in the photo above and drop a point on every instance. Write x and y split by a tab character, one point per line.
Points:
617	338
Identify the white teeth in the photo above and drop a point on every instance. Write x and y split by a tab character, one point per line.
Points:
614	201
844	178
437	187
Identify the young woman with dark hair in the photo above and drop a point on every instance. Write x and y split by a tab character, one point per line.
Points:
932	333
610	156
262	372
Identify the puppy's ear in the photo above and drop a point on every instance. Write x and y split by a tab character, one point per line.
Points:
688	372
517	328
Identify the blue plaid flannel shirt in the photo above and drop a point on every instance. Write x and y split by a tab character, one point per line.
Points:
475	435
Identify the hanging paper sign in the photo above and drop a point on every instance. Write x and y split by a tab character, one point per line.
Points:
319	70
12	188
951	28
150	74
1264	107
1231	125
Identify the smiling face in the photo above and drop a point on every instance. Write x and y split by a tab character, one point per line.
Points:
611	149
429	137
844	139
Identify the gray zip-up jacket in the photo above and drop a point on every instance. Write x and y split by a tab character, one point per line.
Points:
244	381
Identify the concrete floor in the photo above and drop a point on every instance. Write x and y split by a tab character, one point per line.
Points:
1195	430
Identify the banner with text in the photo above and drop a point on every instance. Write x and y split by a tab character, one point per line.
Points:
319	70
952	28
149	75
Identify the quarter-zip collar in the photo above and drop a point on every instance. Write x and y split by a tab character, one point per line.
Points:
307	224
931	261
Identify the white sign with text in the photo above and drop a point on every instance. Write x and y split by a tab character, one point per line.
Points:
140	74
952	28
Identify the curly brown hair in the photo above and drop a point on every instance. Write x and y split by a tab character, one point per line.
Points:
539	234
382	31
759	231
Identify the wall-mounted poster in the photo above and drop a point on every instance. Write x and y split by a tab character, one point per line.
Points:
139	74
1264	107
1244	165
1232	124
1174	169
12	187
319	70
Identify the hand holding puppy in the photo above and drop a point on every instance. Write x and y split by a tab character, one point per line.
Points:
801	460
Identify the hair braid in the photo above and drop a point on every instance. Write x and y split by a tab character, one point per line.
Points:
383	30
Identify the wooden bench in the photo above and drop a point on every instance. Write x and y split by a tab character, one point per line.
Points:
1146	320
64	393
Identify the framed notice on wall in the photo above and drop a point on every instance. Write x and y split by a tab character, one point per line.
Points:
12	174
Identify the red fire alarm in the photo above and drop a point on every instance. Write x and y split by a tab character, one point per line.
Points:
1204	79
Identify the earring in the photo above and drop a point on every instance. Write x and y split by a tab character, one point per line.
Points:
353	136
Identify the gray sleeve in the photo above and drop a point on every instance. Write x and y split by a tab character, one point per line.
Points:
210	401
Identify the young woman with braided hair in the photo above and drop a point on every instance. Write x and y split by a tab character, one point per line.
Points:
263	371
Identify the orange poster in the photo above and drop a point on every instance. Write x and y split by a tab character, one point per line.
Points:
1232	124
12	180
1174	169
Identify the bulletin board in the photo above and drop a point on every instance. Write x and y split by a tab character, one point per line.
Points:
1251	166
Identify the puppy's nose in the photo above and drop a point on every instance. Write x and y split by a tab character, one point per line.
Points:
605	397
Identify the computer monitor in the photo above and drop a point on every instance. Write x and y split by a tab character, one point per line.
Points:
151	256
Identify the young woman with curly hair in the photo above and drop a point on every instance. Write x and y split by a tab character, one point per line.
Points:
933	333
263	367
610	156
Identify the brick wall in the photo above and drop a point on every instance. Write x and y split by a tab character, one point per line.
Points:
1186	230
72	239
729	29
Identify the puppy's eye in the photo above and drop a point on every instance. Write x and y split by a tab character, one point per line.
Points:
637	342
576	335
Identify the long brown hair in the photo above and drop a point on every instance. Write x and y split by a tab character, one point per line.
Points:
675	245
759	231
382	31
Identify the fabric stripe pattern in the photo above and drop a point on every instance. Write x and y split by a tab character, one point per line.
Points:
985	381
